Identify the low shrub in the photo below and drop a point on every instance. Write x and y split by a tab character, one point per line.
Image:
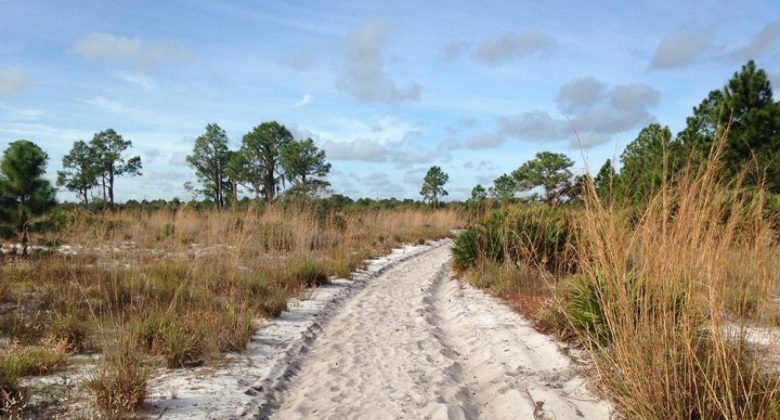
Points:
120	385
18	361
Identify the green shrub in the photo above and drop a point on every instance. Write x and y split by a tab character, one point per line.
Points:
182	344
275	302
534	235
585	298
309	272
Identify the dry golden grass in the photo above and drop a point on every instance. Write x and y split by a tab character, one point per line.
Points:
677	305
182	287
677	291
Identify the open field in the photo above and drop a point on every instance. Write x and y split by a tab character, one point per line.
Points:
175	288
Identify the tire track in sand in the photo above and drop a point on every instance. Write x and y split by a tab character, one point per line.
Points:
413	344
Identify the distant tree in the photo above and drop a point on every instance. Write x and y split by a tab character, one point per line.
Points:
262	148
301	162
107	148
478	194
504	188
209	158
550	171
234	173
244	172
645	161
433	185
80	171
605	181
744	105
24	192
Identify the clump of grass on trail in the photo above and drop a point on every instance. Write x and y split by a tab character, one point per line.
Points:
182	287
667	298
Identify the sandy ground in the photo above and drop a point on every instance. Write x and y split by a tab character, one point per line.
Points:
416	344
402	341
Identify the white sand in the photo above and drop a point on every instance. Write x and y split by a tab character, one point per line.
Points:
403	341
415	344
244	386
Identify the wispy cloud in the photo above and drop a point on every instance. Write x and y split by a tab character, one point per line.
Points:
120	50
515	45
682	48
143	81
20	114
305	100
12	81
359	149
363	75
761	43
115	107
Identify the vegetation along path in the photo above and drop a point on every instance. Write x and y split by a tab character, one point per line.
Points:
413	343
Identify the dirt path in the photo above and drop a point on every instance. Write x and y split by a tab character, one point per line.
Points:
415	344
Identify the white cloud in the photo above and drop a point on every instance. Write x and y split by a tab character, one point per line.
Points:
107	47
363	75
119	50
534	126
12	81
307	99
593	113
762	42
633	97
485	140
508	46
359	149
579	93
118	108
143	81
20	114
414	176
681	48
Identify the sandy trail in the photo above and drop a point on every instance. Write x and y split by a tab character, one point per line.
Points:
415	344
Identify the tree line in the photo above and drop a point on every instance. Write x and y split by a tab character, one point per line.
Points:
269	161
743	111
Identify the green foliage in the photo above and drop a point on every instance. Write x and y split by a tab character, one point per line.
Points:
478	242
261	149
504	188
585	297
605	181
107	148
746	107
210	158
583	309
301	161
309	272
550	171
433	185
644	161
478	194
80	171
24	193
534	235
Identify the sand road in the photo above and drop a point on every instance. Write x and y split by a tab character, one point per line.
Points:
415	344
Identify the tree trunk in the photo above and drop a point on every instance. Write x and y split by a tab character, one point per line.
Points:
25	239
103	181
111	188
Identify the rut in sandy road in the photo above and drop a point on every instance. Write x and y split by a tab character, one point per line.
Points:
415	344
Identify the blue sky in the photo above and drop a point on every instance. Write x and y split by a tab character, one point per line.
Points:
387	89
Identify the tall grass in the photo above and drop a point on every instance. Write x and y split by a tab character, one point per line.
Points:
676	301
673	291
185	286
